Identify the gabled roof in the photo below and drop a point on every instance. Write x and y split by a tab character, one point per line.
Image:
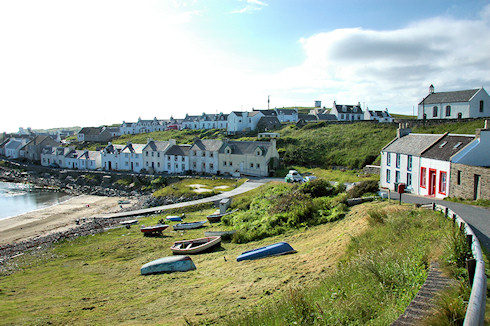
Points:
325	117
354	109
87	155
133	148
91	130
211	145
447	146
156	146
112	148
307	117
245	147
14	144
270	113
380	114
287	111
411	144
449	97
181	150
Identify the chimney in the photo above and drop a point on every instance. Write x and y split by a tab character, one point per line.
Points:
431	89
403	130
172	142
479	130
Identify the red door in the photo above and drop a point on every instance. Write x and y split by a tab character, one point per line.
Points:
432	182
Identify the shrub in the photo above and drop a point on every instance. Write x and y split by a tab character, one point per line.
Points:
364	187
318	188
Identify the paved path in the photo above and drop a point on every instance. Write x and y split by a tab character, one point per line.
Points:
247	186
478	218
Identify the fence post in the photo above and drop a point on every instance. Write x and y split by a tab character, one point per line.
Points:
471	266
446	212
433	206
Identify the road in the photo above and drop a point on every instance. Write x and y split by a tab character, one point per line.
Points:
478	218
246	186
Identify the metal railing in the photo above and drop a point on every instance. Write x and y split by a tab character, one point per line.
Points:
475	313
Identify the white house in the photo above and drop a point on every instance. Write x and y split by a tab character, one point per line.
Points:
90	160
54	156
400	159
110	157
254	158
381	116
435	165
347	112
142	126
177	159
472	103
131	157
204	155
154	155
287	115
247	121
13	146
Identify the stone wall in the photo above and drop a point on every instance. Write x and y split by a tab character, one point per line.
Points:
466	188
372	169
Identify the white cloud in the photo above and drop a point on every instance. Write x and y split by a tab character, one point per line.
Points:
252	6
393	68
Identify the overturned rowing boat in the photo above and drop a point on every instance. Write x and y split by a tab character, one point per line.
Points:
280	248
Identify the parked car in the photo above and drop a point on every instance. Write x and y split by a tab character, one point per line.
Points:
294	176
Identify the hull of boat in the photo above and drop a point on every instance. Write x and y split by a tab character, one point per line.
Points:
280	248
194	246
168	265
154	228
188	226
174	218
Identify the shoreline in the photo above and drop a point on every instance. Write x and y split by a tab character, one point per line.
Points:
56	218
41	208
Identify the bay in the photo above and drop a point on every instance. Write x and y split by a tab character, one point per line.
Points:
16	199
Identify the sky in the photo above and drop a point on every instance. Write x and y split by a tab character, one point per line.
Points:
87	63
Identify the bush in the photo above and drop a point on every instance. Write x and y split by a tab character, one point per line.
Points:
318	188
364	187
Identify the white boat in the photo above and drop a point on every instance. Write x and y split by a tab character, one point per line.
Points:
188	226
194	246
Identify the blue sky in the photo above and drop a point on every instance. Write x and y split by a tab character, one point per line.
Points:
89	63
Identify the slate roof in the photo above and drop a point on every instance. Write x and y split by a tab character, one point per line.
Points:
134	148
181	150
326	117
411	144
348	108
211	145
13	144
245	147
269	122
90	155
287	111
449	97
265	112
307	117
381	114
447	146
91	130
112	148
156	146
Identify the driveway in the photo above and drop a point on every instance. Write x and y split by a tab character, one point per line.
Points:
478	218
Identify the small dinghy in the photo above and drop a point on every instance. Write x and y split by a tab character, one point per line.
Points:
175	218
128	224
154	229
214	218
280	248
188	226
168	265
194	246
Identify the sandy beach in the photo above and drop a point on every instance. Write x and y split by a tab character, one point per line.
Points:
55	218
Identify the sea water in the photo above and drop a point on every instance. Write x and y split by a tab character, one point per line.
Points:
16	199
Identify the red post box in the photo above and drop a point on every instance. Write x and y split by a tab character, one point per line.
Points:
401	188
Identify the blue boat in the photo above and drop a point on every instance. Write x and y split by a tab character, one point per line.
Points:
280	248
174	218
188	226
168	265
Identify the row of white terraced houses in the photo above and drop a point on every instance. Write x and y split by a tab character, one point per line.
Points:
209	156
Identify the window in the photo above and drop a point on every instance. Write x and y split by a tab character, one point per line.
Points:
409	163
210	154
193	165
434	111
397	176
137	164
448	110
158	164
423	175
442	182
458	179
251	165
341	117
409	179
481	106
158	154
176	158
183	159
146	154
224	163
152	154
183	167
388	176
146	163
388	159
231	163
258	165
168	166
211	165
398	159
